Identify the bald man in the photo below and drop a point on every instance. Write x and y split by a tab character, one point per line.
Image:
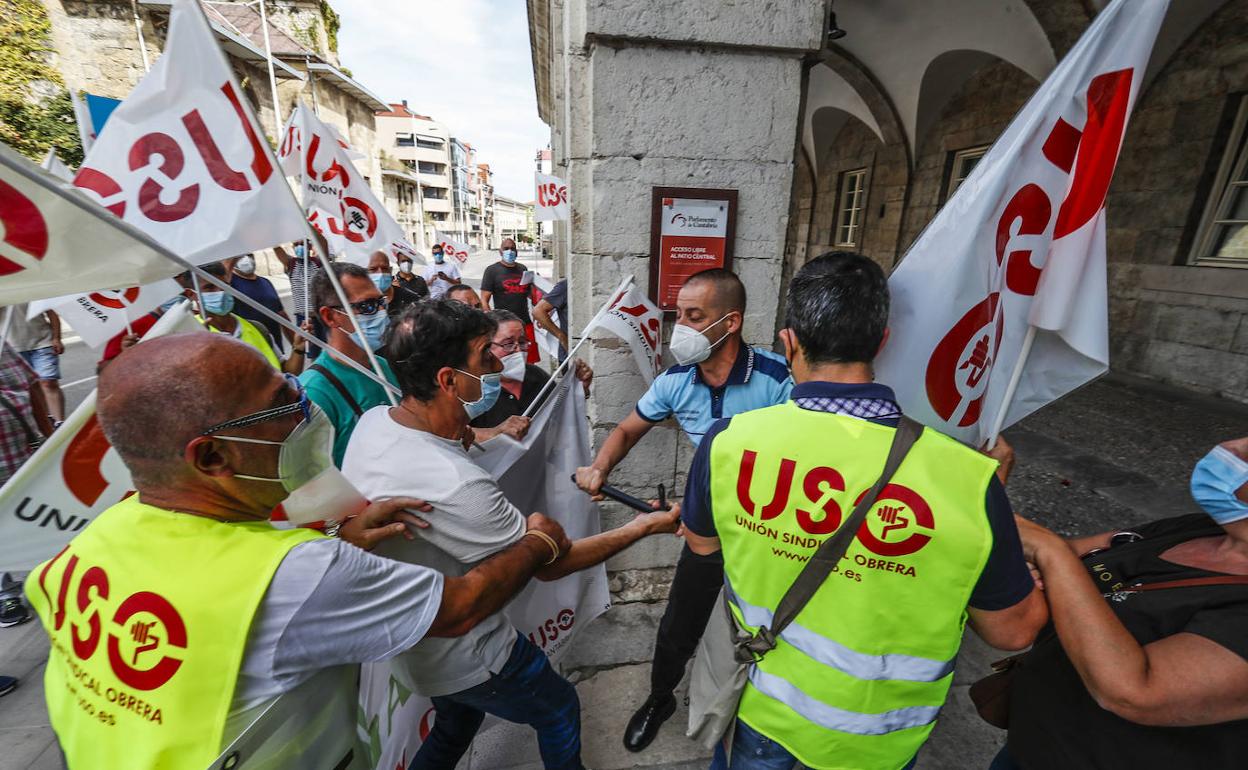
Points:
179	613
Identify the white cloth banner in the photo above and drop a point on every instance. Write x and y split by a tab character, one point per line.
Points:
71	479
182	157
1022	244
632	317
336	197
451	247
546	340
535	475
54	241
54	166
99	316
551	201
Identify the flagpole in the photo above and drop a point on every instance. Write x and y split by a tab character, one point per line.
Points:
1015	377
537	400
138	28
268	55
4	330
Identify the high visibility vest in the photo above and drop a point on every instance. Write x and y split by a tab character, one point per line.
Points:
858	677
148	612
252	336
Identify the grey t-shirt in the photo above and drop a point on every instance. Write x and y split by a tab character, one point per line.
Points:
27	335
329	604
471	520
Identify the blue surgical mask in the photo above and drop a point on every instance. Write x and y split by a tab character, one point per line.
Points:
381	280
217	302
491	385
509	256
1215	480
175	299
371	329
299	250
438	258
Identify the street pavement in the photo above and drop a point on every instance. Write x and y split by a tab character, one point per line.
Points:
1116	453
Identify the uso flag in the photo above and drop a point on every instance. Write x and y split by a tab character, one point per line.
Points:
1008	281
182	158
551	200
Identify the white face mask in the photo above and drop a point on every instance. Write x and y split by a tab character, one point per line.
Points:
405	267
304	454
513	366
690	346
245	265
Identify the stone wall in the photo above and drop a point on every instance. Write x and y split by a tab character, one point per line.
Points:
97	46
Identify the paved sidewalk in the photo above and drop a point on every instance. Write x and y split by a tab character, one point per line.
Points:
1116	453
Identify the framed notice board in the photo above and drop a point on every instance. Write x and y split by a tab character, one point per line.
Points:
691	229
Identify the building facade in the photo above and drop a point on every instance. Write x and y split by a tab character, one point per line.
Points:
423	145
853	141
511	219
402	199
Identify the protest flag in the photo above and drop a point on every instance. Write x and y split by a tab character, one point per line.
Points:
632	317
99	316
551	199
452	248
1000	306
336	197
183	159
56	167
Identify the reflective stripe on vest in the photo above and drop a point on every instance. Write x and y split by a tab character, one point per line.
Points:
865	667
148	612
832	653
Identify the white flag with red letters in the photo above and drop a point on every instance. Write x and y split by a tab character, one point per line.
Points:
632	317
53	239
98	316
183	159
338	201
1022	244
71	479
451	247
551	199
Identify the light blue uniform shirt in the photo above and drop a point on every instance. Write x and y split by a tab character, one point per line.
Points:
758	378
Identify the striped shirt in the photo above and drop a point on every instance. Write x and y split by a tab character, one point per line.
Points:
297	283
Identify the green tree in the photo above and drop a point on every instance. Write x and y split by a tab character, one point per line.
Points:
35	109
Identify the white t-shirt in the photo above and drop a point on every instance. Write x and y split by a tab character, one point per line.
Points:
470	521
437	286
329	604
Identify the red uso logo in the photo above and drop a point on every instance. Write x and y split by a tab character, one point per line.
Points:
550	194
646	321
548	631
114	299
359	222
144	628
961	364
152	194
900	508
24	228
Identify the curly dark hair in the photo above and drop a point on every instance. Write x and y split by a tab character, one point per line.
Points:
428	336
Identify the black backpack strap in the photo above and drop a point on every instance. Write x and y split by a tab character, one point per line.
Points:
338	386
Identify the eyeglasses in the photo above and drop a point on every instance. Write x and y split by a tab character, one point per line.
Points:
512	347
301	405
366	306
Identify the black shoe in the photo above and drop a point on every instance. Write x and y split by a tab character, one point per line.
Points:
13	612
7	684
645	724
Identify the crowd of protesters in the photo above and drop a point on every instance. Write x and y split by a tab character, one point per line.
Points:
1134	657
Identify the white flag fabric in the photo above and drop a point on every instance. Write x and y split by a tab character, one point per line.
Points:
53	239
99	316
551	199
632	317
182	158
1022	244
56	167
69	480
546	340
535	475
451	247
336	197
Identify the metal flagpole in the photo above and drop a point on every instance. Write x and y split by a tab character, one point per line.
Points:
589	327
4	330
138	28
1015	377
268	55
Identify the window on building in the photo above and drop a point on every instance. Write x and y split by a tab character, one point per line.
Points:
434	193
1223	235
430	144
427	167
849	205
961	164
404	140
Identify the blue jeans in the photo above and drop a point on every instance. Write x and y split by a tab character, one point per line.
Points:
527	691
751	750
44	361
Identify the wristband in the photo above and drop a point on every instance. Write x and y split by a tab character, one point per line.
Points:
296	352
550	541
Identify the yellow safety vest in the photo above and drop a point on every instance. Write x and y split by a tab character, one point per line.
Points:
857	679
148	611
252	336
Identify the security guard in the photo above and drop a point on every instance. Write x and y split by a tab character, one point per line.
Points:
179	613
858	677
716	375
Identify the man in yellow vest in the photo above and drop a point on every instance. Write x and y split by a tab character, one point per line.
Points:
856	680
218	313
179	613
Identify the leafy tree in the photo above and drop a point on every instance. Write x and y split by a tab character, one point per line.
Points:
35	109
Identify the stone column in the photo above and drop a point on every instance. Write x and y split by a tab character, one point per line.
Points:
646	93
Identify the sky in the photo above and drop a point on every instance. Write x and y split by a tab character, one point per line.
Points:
465	63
